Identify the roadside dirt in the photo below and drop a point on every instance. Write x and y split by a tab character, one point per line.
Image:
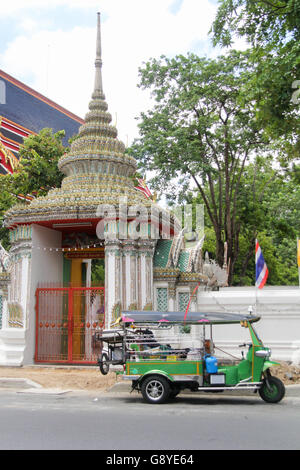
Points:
74	378
89	378
288	373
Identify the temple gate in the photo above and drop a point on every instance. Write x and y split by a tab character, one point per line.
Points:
67	321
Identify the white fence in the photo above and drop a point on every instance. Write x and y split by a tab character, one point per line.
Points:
278	307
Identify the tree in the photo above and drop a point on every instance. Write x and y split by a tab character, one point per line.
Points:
264	22
37	171
272	29
98	272
202	131
39	156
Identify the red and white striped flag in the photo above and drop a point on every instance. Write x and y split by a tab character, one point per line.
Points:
143	188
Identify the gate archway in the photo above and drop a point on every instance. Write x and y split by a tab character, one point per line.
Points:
67	320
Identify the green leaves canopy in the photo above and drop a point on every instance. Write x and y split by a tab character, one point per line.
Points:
272	29
201	130
37	171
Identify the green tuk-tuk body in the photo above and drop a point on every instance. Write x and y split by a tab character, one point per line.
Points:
160	367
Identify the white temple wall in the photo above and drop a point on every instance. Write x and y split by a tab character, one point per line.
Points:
278	307
279	326
46	268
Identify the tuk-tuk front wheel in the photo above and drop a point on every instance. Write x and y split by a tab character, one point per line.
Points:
155	389
272	389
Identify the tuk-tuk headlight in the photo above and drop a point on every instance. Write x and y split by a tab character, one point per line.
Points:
263	353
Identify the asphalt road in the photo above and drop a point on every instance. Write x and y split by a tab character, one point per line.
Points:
81	421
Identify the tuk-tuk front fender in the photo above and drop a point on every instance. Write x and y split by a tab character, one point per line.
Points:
268	364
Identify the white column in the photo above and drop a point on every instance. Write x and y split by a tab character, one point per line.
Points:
129	274
127	280
25	276
88	272
143	285
133	279
110	284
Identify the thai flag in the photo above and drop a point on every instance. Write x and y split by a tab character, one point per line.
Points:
261	268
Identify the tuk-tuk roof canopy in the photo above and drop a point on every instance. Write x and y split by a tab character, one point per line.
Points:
209	318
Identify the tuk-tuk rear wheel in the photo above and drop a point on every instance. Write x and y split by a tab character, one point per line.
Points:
103	364
272	389
155	389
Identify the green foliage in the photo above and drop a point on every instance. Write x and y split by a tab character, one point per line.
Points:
262	22
272	29
230	127
98	272
268	211
200	131
7	199
39	157
37	171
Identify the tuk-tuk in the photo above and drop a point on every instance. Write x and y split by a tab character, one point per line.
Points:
164	353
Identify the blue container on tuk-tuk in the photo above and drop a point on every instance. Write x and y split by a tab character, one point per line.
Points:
211	364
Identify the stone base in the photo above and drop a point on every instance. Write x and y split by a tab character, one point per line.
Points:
12	347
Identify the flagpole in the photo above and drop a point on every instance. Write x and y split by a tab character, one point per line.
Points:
298	258
255	279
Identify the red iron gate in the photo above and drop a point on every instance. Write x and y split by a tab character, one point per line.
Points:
67	319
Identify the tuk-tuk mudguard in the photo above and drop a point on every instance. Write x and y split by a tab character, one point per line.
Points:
268	364
156	372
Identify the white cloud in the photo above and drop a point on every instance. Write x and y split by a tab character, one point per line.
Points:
17	6
60	63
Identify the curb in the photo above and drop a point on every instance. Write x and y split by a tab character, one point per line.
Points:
18	383
21	385
45	391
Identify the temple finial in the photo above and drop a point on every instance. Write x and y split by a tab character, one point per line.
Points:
98	62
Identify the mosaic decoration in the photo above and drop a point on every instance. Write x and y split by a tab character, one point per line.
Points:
15	315
183	300
162	299
22	232
4	282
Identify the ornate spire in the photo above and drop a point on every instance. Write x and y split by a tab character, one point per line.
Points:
97	149
98	88
97	168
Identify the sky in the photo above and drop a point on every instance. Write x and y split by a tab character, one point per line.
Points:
50	46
